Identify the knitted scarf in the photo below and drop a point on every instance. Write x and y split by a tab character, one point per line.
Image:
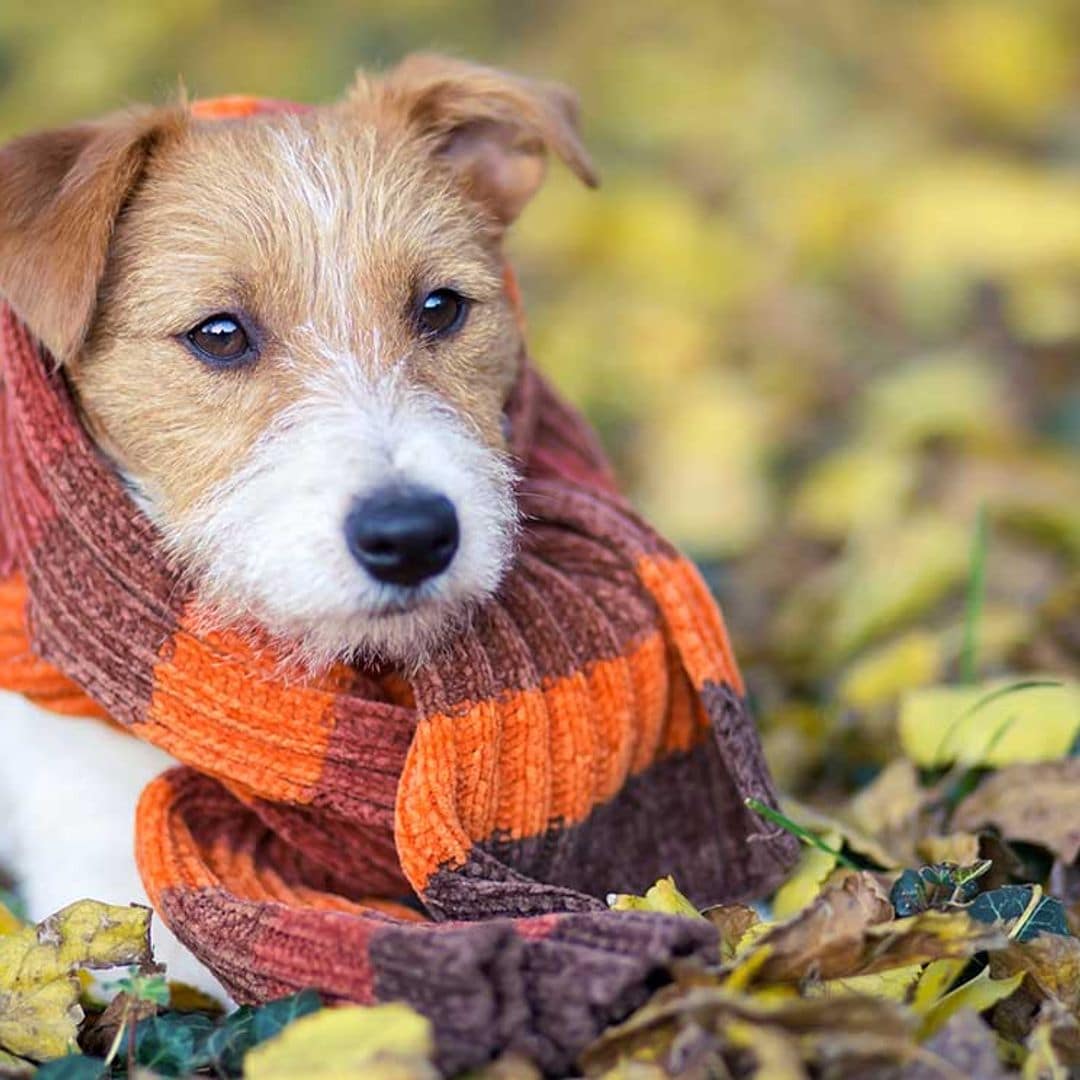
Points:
587	734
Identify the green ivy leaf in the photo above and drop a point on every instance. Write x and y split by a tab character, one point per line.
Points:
231	1040
271	1018
1010	902
936	886
173	1044
72	1067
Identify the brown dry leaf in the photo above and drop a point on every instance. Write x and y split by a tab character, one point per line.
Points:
849	931
98	1033
960	847
852	1031
1052	964
825	939
928	936
889	808
1038	804
1053	1046
851	832
732	921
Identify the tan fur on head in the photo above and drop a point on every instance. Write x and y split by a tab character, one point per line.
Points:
322	232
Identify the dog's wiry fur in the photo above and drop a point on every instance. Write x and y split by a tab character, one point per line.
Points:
323	230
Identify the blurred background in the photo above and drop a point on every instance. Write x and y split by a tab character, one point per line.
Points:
825	306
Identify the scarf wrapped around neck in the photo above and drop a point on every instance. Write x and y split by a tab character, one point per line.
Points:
587	734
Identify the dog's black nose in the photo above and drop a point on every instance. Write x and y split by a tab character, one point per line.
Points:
403	535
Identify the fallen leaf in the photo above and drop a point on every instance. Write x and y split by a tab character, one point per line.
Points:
776	1055
352	1042
936	886
73	1067
1052	962
1009	904
825	939
856	487
894	984
663	898
980	993
845	1030
853	837
1038	804
39	987
880	677
806	880
959	848
173	1044
985	725
889	809
1053	1045
733	922
98	1032
272	1017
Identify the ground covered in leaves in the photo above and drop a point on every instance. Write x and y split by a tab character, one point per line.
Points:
825	312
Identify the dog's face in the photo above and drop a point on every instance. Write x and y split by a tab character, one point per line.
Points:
291	335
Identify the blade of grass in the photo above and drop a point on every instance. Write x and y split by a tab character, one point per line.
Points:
793	827
976	595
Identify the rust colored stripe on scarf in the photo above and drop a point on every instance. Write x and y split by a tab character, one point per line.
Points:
587	734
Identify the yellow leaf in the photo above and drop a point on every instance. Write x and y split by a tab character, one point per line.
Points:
809	875
894	574
880	677
776	1053
662	897
353	1042
893	984
9	923
978	994
852	489
952	395
943	724
936	981
39	984
1008	64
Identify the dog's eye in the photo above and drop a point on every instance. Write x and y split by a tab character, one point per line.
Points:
220	340
442	312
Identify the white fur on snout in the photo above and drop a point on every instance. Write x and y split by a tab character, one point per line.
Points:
270	545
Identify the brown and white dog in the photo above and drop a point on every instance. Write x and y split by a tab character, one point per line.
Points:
291	336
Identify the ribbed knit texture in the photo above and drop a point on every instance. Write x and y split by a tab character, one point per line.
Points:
586	735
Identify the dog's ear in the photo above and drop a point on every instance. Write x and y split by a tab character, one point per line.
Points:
494	129
60	194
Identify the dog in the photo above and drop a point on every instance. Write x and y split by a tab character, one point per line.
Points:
290	336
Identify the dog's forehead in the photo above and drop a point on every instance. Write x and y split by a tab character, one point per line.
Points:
295	192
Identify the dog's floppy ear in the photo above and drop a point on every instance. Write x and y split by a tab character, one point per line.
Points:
494	129
60	194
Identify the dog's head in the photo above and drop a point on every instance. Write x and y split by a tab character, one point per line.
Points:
291	335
